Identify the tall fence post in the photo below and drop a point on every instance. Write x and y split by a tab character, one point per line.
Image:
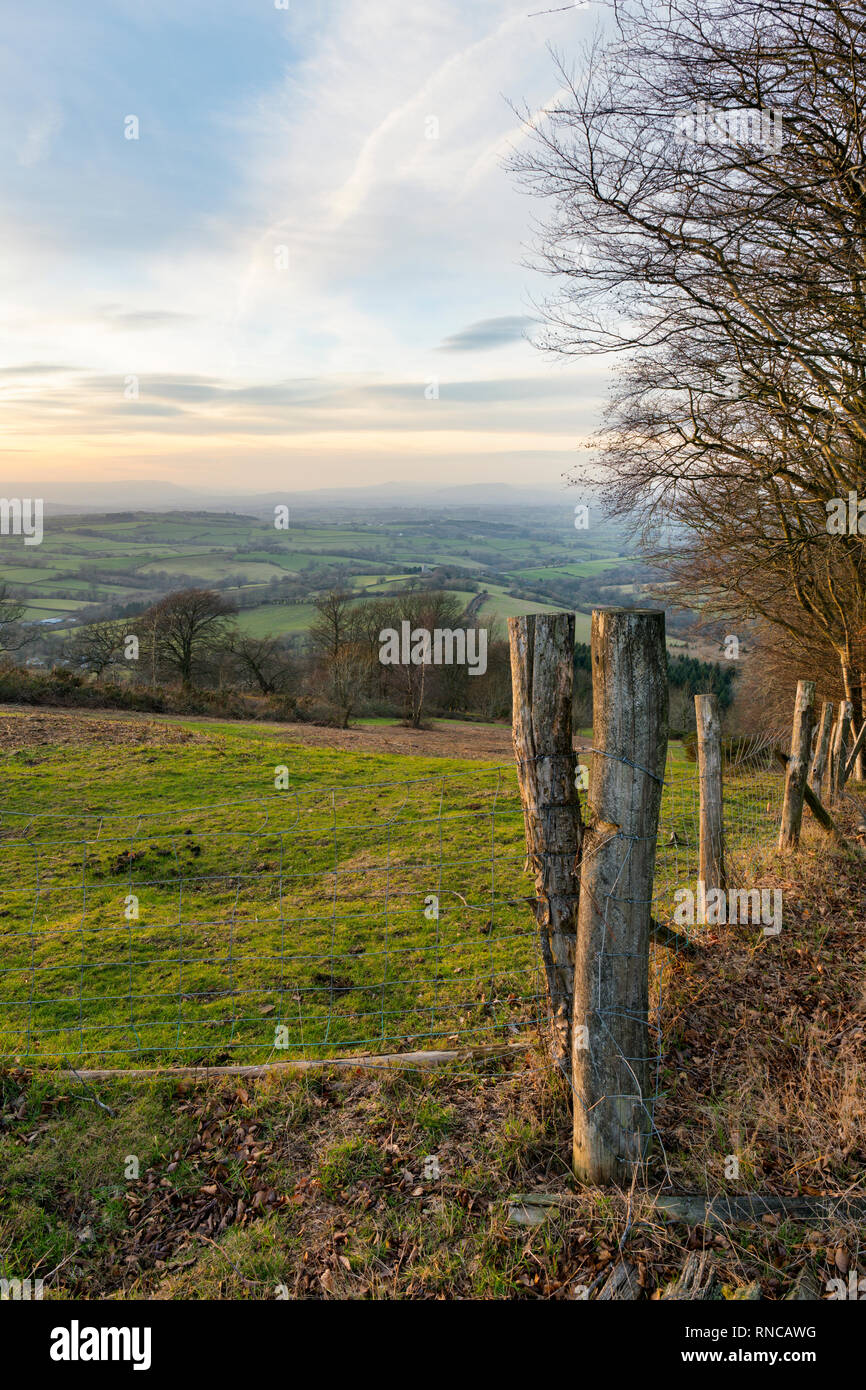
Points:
542	678
841	740
611	1063
711	862
798	765
822	747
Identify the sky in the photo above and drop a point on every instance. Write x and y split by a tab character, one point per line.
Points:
263	243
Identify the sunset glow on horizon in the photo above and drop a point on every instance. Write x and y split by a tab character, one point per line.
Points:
247	246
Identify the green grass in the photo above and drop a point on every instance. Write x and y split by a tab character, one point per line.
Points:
215	568
326	1185
57	605
576	569
501	605
307	910
40	608
26	574
276	619
374	583
257	910
108	559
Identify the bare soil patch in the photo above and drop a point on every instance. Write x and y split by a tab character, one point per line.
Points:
26	729
21	727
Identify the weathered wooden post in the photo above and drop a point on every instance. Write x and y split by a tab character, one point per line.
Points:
841	740
711	863
542	676
831	761
611	1053
822	747
798	765
854	755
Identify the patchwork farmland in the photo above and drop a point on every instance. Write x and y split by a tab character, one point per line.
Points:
112	565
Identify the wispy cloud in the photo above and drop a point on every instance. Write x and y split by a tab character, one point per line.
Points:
488	333
314	204
140	320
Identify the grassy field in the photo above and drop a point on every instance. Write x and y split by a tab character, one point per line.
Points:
105	560
387	1184
276	619
257	909
583	568
163	902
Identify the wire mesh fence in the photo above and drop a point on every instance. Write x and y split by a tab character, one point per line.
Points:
753	788
372	918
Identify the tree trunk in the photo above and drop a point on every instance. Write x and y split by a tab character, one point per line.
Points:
854	757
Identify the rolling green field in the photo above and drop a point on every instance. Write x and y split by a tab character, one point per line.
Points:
276	619
162	902
93	565
257	909
583	568
500	606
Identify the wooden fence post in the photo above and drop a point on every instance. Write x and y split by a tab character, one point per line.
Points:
611	1055
542	677
822	816
822	747
798	765
855	751
841	740
711	866
831	761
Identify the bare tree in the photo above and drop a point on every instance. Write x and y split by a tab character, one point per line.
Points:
12	635
188	626
262	661
422	610
343	656
707	177
97	645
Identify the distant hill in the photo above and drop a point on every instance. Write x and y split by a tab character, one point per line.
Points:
154	495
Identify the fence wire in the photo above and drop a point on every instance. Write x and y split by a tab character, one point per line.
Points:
360	919
621	1005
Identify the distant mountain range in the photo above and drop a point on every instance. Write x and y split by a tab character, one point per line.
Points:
157	496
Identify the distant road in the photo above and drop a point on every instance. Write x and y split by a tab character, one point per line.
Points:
473	608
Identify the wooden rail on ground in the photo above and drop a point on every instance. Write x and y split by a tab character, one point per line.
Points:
388	1061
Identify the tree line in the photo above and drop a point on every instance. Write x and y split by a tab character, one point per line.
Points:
191	642
192	638
722	259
